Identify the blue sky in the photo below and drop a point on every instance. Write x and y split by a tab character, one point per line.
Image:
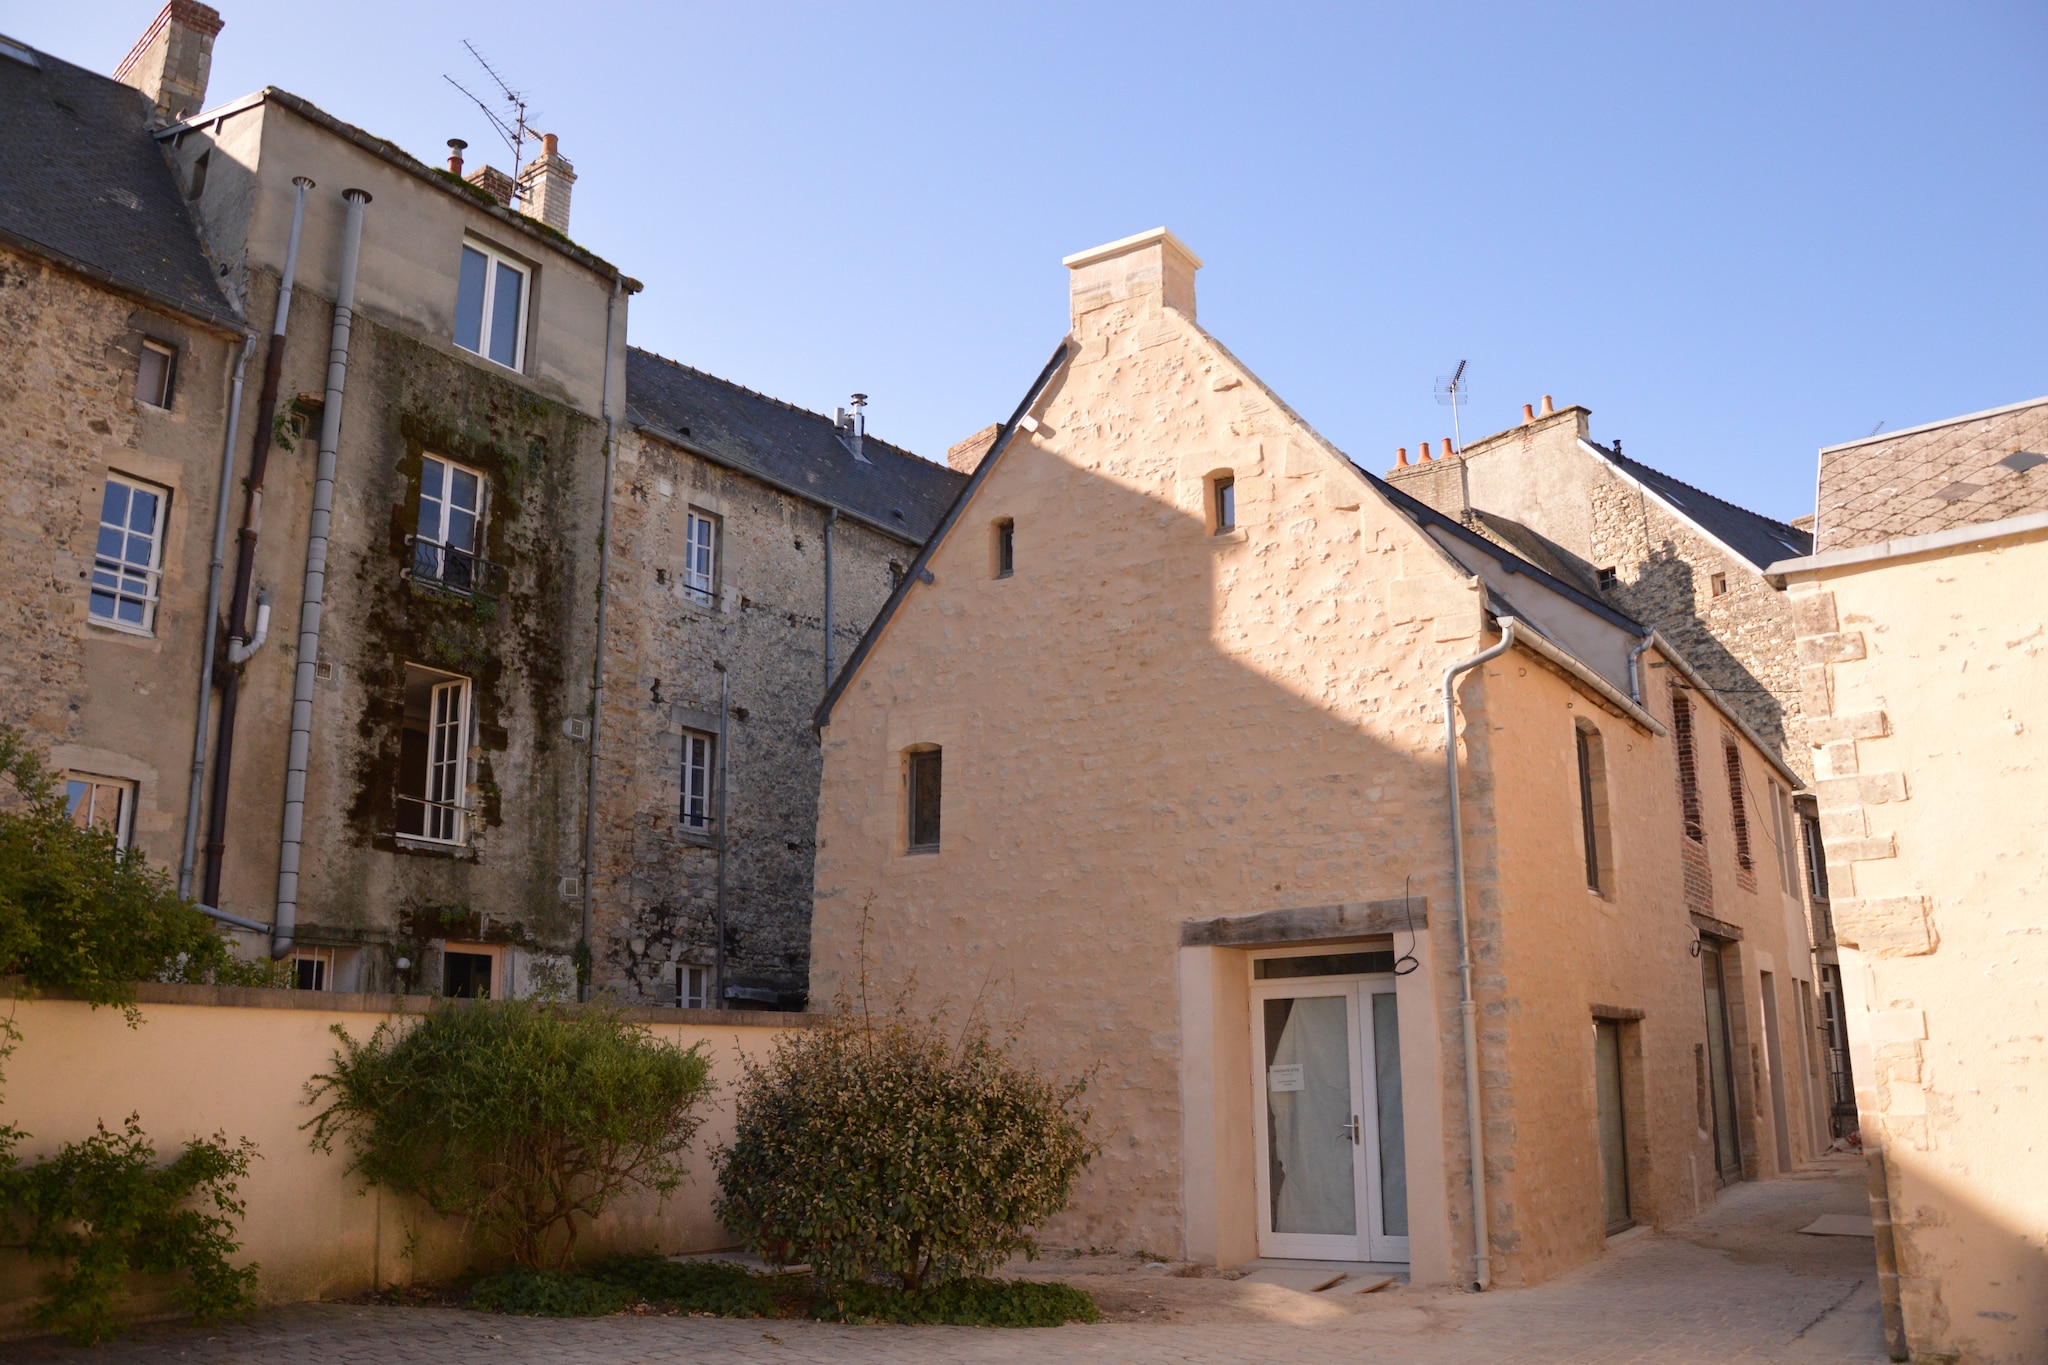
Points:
1735	232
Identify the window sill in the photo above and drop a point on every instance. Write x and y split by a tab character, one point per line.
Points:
1234	536
696	838
914	860
494	364
410	844
127	634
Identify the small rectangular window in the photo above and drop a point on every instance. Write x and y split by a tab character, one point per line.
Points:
490	306
102	803
1718	584
699	800
700	556
1592	803
433	760
466	975
1226	504
693	987
446	544
127	562
925	784
1006	548
313	969
1606	577
153	373
1816	858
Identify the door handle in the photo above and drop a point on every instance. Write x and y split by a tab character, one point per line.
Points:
1353	1128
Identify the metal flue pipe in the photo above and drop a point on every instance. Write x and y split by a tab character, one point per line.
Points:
189	848
313	599
245	556
604	568
1468	1010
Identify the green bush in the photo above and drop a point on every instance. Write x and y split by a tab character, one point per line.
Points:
104	1210
870	1146
718	1287
80	913
518	1117
550	1294
968	1302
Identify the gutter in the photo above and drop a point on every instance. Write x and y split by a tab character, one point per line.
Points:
1538	645
1906	546
920	567
1468	1009
689	447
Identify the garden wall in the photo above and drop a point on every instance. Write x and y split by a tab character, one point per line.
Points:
237	1060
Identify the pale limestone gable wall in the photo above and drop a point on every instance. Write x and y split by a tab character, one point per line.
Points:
1923	687
656	882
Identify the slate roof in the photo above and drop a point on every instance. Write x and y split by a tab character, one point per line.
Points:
1752	535
83	183
788	445
1963	472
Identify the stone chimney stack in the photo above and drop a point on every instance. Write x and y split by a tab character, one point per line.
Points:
546	182
1143	273
173	60
493	182
966	456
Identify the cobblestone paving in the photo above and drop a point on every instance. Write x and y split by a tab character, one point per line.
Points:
1659	1299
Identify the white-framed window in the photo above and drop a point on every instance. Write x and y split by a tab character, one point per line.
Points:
700	555
313	969
490	305
105	803
700	753
153	370
445	547
693	987
127	564
433	759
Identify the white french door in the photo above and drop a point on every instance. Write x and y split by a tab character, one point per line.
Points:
448	751
1332	1171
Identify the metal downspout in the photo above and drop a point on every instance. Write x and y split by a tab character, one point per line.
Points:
604	560
1635	679
313	599
724	749
1468	1011
831	520
245	555
190	846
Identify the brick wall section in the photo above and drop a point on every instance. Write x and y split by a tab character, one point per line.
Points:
656	881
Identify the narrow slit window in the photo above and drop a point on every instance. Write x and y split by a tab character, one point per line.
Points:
490	306
127	565
700	556
444	548
1223	503
1594	834
699	802
693	987
1688	768
925	781
1718	584
153	369
1816	858
1005	547
1738	808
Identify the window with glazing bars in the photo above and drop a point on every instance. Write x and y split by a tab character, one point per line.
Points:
490	306
699	804
444	550
127	564
700	556
925	774
102	803
433	765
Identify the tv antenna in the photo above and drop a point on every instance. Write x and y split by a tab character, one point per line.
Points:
511	125
1451	392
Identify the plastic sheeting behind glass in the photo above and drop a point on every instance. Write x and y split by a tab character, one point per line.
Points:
1386	1050
1308	1107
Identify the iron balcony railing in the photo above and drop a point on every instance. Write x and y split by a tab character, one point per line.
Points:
439	822
444	568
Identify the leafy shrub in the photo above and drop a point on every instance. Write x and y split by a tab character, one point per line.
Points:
873	1146
80	913
718	1287
967	1302
517	1117
550	1294
104	1209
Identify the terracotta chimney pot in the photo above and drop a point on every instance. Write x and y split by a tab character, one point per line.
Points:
1426	459
1528	414
1402	455
1548	410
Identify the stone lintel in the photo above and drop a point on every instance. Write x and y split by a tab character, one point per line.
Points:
1621	1014
1309	924
1719	928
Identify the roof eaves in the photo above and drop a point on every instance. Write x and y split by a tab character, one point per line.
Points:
223	320
640	422
919	570
393	154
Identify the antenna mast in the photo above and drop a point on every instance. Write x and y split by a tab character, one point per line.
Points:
510	125
1452	390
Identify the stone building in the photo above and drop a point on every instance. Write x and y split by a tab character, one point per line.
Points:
1148	752
753	541
1921	646
1686	564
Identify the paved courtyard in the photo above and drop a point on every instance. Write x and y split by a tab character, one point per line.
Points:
1739	1283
